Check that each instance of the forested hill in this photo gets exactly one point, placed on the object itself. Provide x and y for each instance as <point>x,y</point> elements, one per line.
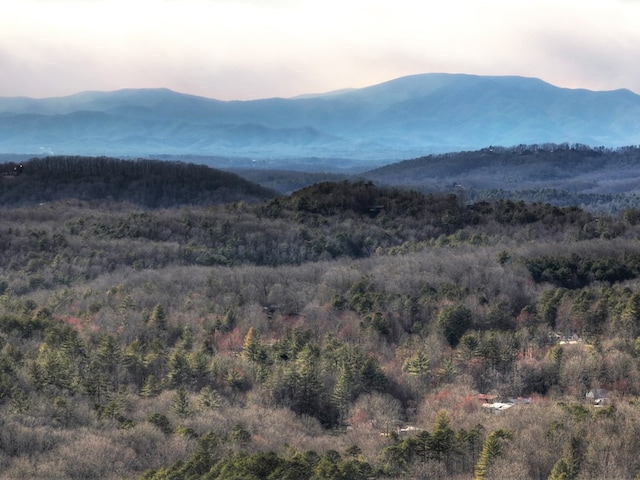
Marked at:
<point>561,174</point>
<point>148,183</point>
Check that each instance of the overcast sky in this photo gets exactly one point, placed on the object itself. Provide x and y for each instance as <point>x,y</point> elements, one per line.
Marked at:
<point>248,49</point>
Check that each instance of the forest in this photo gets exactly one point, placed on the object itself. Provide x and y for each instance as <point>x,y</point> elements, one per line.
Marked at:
<point>347,330</point>
<point>597,178</point>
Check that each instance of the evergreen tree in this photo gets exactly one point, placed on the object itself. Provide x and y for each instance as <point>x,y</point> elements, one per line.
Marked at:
<point>252,348</point>
<point>161,422</point>
<point>422,445</point>
<point>209,398</point>
<point>417,365</point>
<point>454,320</point>
<point>156,358</point>
<point>95,381</point>
<point>179,373</point>
<point>53,367</point>
<point>127,304</point>
<point>568,467</point>
<point>151,388</point>
<point>308,386</point>
<point>109,356</point>
<point>471,440</point>
<point>561,471</point>
<point>158,318</point>
<point>442,438</point>
<point>372,376</point>
<point>491,449</point>
<point>186,338</point>
<point>342,391</point>
<point>133,361</point>
<point>180,403</point>
<point>396,458</point>
<point>199,367</point>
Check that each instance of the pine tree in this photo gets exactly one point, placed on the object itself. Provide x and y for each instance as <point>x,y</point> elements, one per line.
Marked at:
<point>491,449</point>
<point>180,403</point>
<point>308,386</point>
<point>417,365</point>
<point>251,348</point>
<point>470,440</point>
<point>151,387</point>
<point>95,381</point>
<point>128,303</point>
<point>109,354</point>
<point>447,370</point>
<point>179,373</point>
<point>133,361</point>
<point>342,391</point>
<point>442,439</point>
<point>454,320</point>
<point>54,367</point>
<point>421,445</point>
<point>161,422</point>
<point>372,377</point>
<point>561,471</point>
<point>209,399</point>
<point>199,367</point>
<point>158,318</point>
<point>568,467</point>
<point>186,338</point>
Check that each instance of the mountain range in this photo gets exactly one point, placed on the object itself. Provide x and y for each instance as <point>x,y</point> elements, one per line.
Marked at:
<point>404,118</point>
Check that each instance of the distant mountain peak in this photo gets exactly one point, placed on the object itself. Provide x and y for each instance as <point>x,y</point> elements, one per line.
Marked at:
<point>403,118</point>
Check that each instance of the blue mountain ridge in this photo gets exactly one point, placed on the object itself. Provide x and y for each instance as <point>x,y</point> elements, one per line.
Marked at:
<point>403,118</point>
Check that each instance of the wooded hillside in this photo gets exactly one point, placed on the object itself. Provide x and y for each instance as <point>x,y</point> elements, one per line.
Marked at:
<point>596,178</point>
<point>345,331</point>
<point>148,183</point>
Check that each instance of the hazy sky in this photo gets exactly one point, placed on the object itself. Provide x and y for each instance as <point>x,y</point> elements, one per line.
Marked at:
<point>247,49</point>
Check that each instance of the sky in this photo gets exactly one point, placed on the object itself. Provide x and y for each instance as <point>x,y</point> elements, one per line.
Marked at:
<point>250,49</point>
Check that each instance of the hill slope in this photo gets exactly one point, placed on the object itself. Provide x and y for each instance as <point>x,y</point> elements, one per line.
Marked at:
<point>561,174</point>
<point>403,118</point>
<point>148,183</point>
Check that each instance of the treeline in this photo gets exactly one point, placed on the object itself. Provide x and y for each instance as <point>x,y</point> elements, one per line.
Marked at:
<point>563,155</point>
<point>148,183</point>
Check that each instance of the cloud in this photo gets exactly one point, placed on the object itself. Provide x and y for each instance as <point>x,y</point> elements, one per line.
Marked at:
<point>247,49</point>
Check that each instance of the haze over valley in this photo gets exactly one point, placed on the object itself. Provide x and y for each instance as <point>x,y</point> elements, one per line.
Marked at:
<point>363,128</point>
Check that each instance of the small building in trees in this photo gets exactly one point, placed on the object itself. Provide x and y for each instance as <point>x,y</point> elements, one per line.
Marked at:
<point>597,396</point>
<point>495,404</point>
<point>497,407</point>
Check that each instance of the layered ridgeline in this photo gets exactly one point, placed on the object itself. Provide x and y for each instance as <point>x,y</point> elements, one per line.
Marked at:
<point>148,183</point>
<point>404,118</point>
<point>596,178</point>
